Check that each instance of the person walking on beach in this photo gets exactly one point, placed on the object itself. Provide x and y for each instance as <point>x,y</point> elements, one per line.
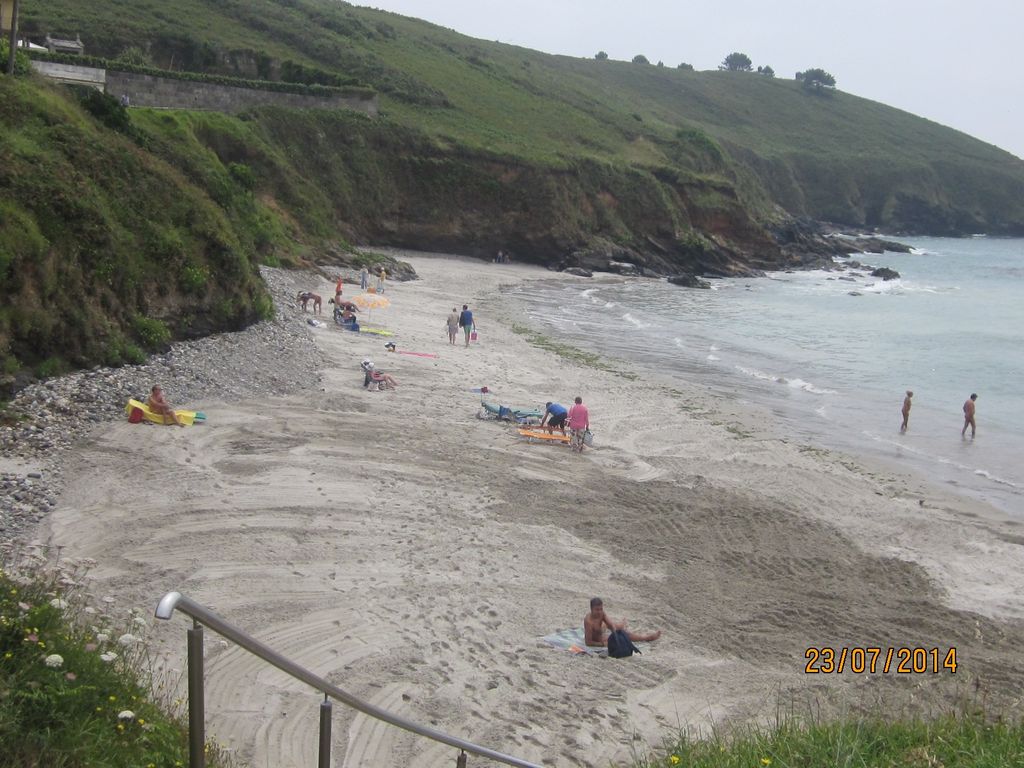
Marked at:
<point>969,416</point>
<point>337,292</point>
<point>906,411</point>
<point>380,280</point>
<point>579,423</point>
<point>157,404</point>
<point>453,325</point>
<point>364,278</point>
<point>555,415</point>
<point>466,322</point>
<point>594,624</point>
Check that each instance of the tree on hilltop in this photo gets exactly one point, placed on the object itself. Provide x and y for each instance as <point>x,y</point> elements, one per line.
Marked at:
<point>686,67</point>
<point>816,79</point>
<point>766,71</point>
<point>640,59</point>
<point>736,62</point>
<point>600,55</point>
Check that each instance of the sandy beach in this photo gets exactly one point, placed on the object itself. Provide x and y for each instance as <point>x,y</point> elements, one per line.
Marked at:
<point>414,554</point>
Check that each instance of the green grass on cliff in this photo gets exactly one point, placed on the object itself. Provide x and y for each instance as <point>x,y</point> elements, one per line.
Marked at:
<point>77,688</point>
<point>964,739</point>
<point>105,249</point>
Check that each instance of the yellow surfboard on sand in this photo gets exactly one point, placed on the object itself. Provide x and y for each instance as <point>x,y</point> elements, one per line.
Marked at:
<point>537,434</point>
<point>187,417</point>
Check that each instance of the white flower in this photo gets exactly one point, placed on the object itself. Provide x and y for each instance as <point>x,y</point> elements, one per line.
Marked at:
<point>140,622</point>
<point>54,660</point>
<point>25,606</point>
<point>102,637</point>
<point>127,639</point>
<point>108,657</point>
<point>125,714</point>
<point>58,603</point>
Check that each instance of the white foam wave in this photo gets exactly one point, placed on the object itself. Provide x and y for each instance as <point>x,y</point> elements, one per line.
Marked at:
<point>806,386</point>
<point>609,304</point>
<point>883,286</point>
<point>989,476</point>
<point>795,383</point>
<point>638,323</point>
<point>713,348</point>
<point>712,358</point>
<point>756,374</point>
<point>589,292</point>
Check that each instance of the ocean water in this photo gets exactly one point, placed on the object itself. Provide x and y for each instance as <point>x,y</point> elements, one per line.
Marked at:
<point>831,366</point>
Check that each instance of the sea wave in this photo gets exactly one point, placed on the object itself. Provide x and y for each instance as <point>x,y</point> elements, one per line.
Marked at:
<point>638,323</point>
<point>795,383</point>
<point>989,476</point>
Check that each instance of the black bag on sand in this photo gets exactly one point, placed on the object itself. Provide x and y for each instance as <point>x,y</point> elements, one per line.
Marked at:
<point>620,646</point>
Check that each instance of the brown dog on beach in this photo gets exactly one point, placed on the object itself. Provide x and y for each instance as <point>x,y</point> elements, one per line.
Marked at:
<point>305,297</point>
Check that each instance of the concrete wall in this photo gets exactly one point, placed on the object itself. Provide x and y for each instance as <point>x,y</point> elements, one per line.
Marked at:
<point>72,73</point>
<point>168,93</point>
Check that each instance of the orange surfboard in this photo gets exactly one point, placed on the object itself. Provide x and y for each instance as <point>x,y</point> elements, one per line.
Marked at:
<point>538,434</point>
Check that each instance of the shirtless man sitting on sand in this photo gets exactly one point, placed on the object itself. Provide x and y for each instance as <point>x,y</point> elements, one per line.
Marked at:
<point>594,624</point>
<point>157,404</point>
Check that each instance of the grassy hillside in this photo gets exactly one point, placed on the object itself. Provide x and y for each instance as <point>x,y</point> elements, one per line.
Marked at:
<point>146,225</point>
<point>826,155</point>
<point>105,250</point>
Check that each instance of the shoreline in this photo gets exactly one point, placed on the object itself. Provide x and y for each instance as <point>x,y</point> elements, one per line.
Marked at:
<point>836,412</point>
<point>393,542</point>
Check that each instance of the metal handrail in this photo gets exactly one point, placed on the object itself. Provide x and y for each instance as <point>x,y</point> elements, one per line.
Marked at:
<point>173,601</point>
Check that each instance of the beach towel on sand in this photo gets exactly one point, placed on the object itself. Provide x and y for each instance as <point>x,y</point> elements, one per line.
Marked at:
<point>572,640</point>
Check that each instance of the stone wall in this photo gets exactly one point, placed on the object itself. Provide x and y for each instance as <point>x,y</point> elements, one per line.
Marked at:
<point>150,91</point>
<point>72,73</point>
<point>169,93</point>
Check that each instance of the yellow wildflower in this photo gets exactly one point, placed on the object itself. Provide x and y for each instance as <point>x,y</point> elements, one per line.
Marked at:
<point>674,759</point>
<point>766,761</point>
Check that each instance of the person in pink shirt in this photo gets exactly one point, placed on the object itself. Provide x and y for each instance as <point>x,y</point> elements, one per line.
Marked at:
<point>579,423</point>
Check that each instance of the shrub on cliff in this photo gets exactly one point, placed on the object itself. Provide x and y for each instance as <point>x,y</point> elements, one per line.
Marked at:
<point>76,685</point>
<point>21,60</point>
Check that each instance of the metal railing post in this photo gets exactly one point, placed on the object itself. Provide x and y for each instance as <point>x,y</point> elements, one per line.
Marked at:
<point>325,734</point>
<point>196,708</point>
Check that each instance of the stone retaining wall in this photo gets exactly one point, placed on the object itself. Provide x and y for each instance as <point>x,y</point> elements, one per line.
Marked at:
<point>169,93</point>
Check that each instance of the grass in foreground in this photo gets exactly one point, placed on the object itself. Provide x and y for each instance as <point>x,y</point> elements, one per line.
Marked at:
<point>965,739</point>
<point>74,680</point>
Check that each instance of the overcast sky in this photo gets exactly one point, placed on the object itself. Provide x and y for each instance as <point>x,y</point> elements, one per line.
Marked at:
<point>953,61</point>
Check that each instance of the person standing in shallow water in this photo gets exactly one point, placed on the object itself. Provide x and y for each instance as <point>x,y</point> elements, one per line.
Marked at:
<point>969,416</point>
<point>906,411</point>
<point>364,278</point>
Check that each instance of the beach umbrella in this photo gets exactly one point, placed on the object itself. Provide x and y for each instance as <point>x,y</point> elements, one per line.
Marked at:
<point>371,301</point>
